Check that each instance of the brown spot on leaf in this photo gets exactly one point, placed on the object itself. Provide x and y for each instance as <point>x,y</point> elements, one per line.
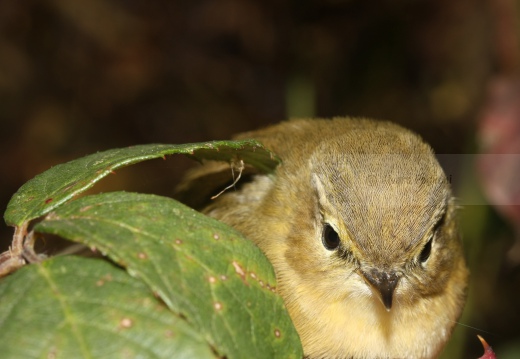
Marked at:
<point>212,279</point>
<point>223,277</point>
<point>126,323</point>
<point>277,333</point>
<point>103,280</point>
<point>240,271</point>
<point>86,208</point>
<point>217,306</point>
<point>142,255</point>
<point>178,241</point>
<point>49,200</point>
<point>52,353</point>
<point>216,236</point>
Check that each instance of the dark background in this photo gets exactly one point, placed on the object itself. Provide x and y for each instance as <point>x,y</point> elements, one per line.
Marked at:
<point>78,77</point>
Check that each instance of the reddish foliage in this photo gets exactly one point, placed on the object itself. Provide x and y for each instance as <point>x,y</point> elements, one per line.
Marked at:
<point>488,351</point>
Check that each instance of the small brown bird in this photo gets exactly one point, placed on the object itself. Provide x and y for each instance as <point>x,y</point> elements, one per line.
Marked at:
<point>359,224</point>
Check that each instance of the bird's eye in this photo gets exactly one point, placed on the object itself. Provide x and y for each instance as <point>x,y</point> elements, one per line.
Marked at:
<point>426,251</point>
<point>330,238</point>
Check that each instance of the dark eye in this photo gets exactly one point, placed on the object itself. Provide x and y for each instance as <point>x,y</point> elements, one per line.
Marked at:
<point>330,238</point>
<point>426,251</point>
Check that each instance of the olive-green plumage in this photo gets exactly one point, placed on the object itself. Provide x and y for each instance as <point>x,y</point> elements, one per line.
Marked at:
<point>359,224</point>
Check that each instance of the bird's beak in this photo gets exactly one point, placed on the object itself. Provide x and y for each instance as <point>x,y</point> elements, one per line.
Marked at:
<point>384,283</point>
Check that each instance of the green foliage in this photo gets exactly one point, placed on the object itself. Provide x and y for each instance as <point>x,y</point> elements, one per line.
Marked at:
<point>72,307</point>
<point>61,183</point>
<point>182,284</point>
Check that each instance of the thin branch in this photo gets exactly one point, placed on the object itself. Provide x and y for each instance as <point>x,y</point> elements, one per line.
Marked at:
<point>12,259</point>
<point>240,168</point>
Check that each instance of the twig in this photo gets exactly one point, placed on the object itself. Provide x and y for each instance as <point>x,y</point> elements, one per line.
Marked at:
<point>235,180</point>
<point>12,259</point>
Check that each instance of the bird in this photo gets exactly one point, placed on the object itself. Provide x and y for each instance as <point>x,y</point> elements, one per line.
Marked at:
<point>360,225</point>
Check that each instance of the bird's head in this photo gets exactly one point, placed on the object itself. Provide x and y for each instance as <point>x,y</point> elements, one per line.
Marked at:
<point>373,238</point>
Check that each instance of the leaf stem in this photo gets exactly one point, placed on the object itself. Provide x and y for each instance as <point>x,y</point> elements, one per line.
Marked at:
<point>12,259</point>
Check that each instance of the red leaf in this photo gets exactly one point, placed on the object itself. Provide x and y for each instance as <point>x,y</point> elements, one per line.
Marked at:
<point>488,351</point>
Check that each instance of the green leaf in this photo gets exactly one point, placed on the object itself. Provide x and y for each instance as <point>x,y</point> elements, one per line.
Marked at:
<point>201,268</point>
<point>71,307</point>
<point>61,183</point>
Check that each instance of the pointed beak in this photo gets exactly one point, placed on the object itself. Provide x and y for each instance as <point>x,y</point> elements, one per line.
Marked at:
<point>384,283</point>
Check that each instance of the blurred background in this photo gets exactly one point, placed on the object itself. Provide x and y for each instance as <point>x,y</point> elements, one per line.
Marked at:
<point>78,77</point>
